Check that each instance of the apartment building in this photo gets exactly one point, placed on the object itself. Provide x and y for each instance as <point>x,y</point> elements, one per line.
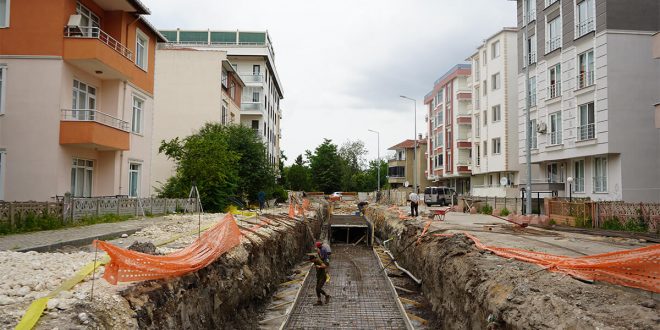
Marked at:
<point>591,89</point>
<point>495,166</point>
<point>449,118</point>
<point>401,163</point>
<point>252,56</point>
<point>192,87</point>
<point>76,98</point>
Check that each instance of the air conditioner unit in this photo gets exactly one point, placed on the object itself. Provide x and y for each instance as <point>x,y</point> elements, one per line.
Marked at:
<point>74,21</point>
<point>541,128</point>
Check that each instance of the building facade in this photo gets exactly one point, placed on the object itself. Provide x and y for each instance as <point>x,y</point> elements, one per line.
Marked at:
<point>76,98</point>
<point>495,166</point>
<point>252,55</point>
<point>193,87</point>
<point>449,147</point>
<point>592,87</point>
<point>401,164</point>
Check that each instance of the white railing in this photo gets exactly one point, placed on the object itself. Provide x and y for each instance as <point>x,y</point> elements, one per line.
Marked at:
<point>586,132</point>
<point>531,58</point>
<point>554,90</point>
<point>251,77</point>
<point>585,79</point>
<point>549,2</point>
<point>552,44</point>
<point>250,105</point>
<point>579,184</point>
<point>532,98</point>
<point>584,27</point>
<point>530,16</point>
<point>555,138</point>
<point>95,116</point>
<point>600,184</point>
<point>92,32</point>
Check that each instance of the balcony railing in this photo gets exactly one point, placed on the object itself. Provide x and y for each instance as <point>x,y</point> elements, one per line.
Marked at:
<point>584,27</point>
<point>92,32</point>
<point>549,2</point>
<point>585,79</point>
<point>248,106</point>
<point>95,116</point>
<point>532,99</point>
<point>586,132</point>
<point>252,77</point>
<point>555,138</point>
<point>530,16</point>
<point>531,58</point>
<point>600,184</point>
<point>552,44</point>
<point>554,90</point>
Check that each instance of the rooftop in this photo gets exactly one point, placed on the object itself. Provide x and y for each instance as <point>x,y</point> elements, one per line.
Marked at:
<point>458,69</point>
<point>407,144</point>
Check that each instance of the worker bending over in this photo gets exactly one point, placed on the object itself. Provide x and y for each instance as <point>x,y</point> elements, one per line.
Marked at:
<point>321,277</point>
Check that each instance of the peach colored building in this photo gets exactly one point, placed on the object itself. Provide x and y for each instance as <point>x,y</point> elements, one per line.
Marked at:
<point>76,98</point>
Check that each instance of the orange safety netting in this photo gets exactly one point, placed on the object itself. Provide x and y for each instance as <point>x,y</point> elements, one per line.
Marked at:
<point>292,211</point>
<point>637,268</point>
<point>128,266</point>
<point>305,204</point>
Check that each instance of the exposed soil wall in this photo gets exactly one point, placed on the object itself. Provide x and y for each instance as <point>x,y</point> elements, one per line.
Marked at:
<point>473,289</point>
<point>230,292</point>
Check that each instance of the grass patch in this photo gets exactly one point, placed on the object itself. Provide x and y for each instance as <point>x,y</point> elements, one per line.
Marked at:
<point>634,225</point>
<point>33,222</point>
<point>583,222</point>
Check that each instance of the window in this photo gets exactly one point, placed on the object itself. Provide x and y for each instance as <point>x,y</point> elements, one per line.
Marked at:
<point>440,118</point>
<point>534,138</point>
<point>223,118</point>
<point>531,87</point>
<point>578,176</point>
<point>441,141</point>
<point>495,81</point>
<point>586,122</point>
<point>497,113</point>
<point>476,69</point>
<point>555,128</point>
<point>83,102</point>
<point>553,35</point>
<point>554,173</point>
<point>531,50</point>
<point>600,174</point>
<point>256,70</point>
<point>554,89</point>
<point>496,146</point>
<point>4,17</point>
<point>476,97</point>
<point>255,124</point>
<point>223,78</point>
<point>586,67</point>
<point>485,148</point>
<point>549,2</point>
<point>485,58</point>
<point>3,162</point>
<point>485,117</point>
<point>477,151</point>
<point>255,96</point>
<point>138,113</point>
<point>134,170</point>
<point>89,22</point>
<point>530,10</point>
<point>477,127</point>
<point>3,79</point>
<point>584,18</point>
<point>495,49</point>
<point>141,49</point>
<point>82,172</point>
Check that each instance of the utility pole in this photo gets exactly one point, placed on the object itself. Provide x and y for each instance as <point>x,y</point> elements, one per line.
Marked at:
<point>415,139</point>
<point>378,152</point>
<point>528,123</point>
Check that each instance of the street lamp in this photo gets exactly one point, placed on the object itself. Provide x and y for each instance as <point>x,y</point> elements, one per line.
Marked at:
<point>378,134</point>
<point>415,139</point>
<point>570,188</point>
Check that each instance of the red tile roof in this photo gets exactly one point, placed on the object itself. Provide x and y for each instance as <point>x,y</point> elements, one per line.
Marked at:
<point>407,144</point>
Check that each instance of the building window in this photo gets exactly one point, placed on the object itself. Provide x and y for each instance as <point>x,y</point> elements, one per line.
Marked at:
<point>531,87</point>
<point>578,176</point>
<point>584,18</point>
<point>554,89</point>
<point>586,122</point>
<point>223,78</point>
<point>534,138</point>
<point>495,49</point>
<point>553,35</point>
<point>555,128</point>
<point>138,114</point>
<point>485,148</point>
<point>141,49</point>
<point>256,70</point>
<point>554,173</point>
<point>476,69</point>
<point>586,67</point>
<point>82,172</point>
<point>485,117</point>
<point>3,89</point>
<point>4,16</point>
<point>485,58</point>
<point>477,151</point>
<point>441,139</point>
<point>531,50</point>
<point>255,96</point>
<point>223,118</point>
<point>530,11</point>
<point>485,87</point>
<point>495,81</point>
<point>476,98</point>
<point>89,22</point>
<point>477,127</point>
<point>440,118</point>
<point>3,165</point>
<point>549,2</point>
<point>497,113</point>
<point>600,174</point>
<point>496,146</point>
<point>134,172</point>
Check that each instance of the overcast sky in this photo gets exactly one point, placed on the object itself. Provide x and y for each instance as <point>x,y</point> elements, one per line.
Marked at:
<point>344,63</point>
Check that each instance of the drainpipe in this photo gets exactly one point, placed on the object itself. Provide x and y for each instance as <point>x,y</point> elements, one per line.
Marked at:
<point>121,153</point>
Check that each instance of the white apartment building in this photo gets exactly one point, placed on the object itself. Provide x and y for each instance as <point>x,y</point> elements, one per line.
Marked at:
<point>252,56</point>
<point>592,86</point>
<point>192,87</point>
<point>449,147</point>
<point>495,167</point>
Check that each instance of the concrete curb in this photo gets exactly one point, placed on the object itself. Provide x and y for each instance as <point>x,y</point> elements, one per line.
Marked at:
<point>77,242</point>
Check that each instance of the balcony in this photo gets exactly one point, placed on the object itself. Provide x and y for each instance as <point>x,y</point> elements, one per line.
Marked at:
<point>464,119</point>
<point>586,132</point>
<point>549,2</point>
<point>585,79</point>
<point>555,138</point>
<point>252,78</point>
<point>251,108</point>
<point>552,44</point>
<point>94,51</point>
<point>93,129</point>
<point>531,58</point>
<point>554,90</point>
<point>464,96</point>
<point>584,27</point>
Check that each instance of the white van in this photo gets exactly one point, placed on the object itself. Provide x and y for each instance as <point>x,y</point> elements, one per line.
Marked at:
<point>440,195</point>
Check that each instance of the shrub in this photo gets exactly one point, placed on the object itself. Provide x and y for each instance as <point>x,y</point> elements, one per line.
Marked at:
<point>583,222</point>
<point>486,209</point>
<point>504,212</point>
<point>552,222</point>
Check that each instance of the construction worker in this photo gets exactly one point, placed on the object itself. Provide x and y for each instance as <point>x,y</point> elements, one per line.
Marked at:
<point>321,277</point>
<point>323,251</point>
<point>261,197</point>
<point>414,204</point>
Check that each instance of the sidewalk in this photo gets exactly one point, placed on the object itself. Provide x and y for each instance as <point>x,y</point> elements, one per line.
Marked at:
<point>43,241</point>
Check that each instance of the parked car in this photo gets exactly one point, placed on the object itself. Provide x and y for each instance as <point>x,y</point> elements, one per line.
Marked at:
<point>336,194</point>
<point>440,195</point>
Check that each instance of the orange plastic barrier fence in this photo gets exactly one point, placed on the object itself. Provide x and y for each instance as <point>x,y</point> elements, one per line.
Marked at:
<point>305,204</point>
<point>292,211</point>
<point>637,268</point>
<point>402,214</point>
<point>129,266</point>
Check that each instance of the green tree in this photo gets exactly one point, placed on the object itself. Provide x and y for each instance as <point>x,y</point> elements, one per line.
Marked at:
<point>326,167</point>
<point>353,154</point>
<point>299,176</point>
<point>255,173</point>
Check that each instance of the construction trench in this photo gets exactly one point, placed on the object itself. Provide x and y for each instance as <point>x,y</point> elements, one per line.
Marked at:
<point>383,275</point>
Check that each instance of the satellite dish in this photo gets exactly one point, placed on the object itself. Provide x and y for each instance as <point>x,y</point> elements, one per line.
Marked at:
<point>504,181</point>
<point>406,184</point>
